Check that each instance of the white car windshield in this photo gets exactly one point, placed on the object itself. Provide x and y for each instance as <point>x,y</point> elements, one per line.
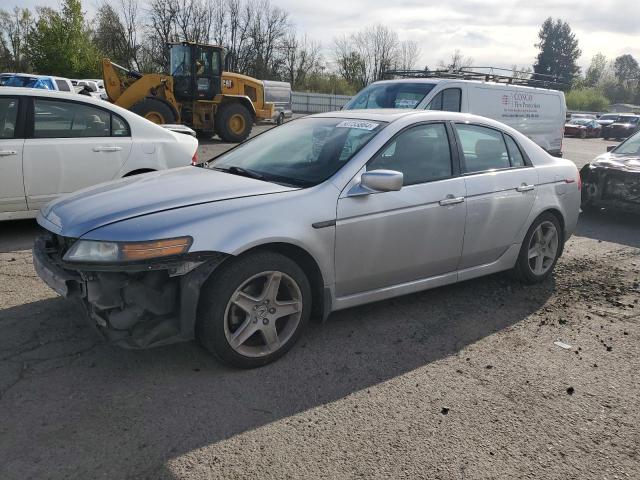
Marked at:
<point>300,153</point>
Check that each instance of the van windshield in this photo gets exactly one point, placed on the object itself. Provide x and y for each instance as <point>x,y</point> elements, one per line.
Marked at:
<point>390,95</point>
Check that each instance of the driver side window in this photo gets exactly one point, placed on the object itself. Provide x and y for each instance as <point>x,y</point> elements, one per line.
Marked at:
<point>421,153</point>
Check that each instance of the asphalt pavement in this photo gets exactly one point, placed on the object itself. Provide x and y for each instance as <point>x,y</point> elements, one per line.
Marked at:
<point>460,382</point>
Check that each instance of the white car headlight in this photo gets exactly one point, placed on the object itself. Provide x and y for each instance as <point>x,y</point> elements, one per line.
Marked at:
<point>92,251</point>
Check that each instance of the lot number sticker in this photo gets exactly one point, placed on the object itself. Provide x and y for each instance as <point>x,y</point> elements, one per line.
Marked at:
<point>360,124</point>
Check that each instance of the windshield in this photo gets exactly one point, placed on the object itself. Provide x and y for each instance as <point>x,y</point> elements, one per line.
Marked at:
<point>627,119</point>
<point>629,147</point>
<point>580,121</point>
<point>608,117</point>
<point>390,95</point>
<point>301,153</point>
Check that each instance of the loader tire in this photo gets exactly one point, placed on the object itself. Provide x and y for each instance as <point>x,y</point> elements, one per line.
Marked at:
<point>233,122</point>
<point>155,111</point>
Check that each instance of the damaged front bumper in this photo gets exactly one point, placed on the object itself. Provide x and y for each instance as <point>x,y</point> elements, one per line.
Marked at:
<point>136,305</point>
<point>614,188</point>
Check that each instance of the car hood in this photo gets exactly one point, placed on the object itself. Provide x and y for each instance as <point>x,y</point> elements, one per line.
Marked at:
<point>573,125</point>
<point>618,162</point>
<point>78,213</point>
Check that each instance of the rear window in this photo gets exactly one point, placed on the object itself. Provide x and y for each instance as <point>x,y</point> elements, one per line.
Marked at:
<point>390,95</point>
<point>62,85</point>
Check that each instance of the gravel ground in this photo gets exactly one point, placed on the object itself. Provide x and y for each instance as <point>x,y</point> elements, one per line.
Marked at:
<point>458,382</point>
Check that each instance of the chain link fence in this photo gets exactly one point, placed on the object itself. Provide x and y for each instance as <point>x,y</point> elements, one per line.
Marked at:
<point>317,102</point>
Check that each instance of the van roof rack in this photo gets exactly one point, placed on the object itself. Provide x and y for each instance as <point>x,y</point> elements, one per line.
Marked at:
<point>486,74</point>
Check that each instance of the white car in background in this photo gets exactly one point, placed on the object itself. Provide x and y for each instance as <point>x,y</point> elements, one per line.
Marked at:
<point>52,143</point>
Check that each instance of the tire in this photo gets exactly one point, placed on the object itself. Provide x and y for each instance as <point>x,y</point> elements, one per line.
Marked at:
<point>233,122</point>
<point>524,269</point>
<point>245,280</point>
<point>280,119</point>
<point>583,134</point>
<point>155,111</point>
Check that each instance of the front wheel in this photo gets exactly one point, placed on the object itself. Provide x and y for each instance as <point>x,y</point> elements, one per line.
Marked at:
<point>233,122</point>
<point>280,119</point>
<point>583,134</point>
<point>540,249</point>
<point>155,110</point>
<point>254,309</point>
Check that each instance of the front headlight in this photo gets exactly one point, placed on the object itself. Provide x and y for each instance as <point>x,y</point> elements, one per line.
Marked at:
<point>93,251</point>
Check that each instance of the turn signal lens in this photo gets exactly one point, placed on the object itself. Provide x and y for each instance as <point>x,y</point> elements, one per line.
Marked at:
<point>159,248</point>
<point>194,159</point>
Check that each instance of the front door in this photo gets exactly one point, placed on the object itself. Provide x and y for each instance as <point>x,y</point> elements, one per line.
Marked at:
<point>72,146</point>
<point>12,198</point>
<point>385,239</point>
<point>501,190</point>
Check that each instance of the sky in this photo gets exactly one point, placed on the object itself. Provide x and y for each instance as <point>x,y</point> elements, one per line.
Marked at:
<point>498,33</point>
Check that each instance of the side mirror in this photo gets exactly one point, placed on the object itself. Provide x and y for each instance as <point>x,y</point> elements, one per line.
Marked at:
<point>378,181</point>
<point>611,148</point>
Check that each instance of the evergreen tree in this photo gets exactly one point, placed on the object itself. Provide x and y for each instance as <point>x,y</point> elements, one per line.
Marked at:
<point>559,51</point>
<point>60,42</point>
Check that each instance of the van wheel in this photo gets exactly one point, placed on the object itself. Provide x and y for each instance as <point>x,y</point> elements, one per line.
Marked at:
<point>155,111</point>
<point>280,119</point>
<point>254,309</point>
<point>540,249</point>
<point>233,122</point>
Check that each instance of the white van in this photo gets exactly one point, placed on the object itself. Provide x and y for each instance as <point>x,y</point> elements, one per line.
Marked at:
<point>278,93</point>
<point>538,113</point>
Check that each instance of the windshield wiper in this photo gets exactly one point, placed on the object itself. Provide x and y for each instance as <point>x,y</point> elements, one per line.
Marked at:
<point>241,171</point>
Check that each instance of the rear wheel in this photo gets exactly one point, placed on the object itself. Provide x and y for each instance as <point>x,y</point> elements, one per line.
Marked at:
<point>233,122</point>
<point>254,309</point>
<point>583,134</point>
<point>155,111</point>
<point>280,119</point>
<point>540,249</point>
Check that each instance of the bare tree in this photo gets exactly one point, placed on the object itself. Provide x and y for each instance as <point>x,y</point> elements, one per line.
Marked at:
<point>456,62</point>
<point>131,22</point>
<point>301,57</point>
<point>14,27</point>
<point>408,55</point>
<point>350,62</point>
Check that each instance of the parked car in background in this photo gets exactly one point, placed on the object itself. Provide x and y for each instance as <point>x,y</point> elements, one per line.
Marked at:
<point>88,87</point>
<point>607,119</point>
<point>582,128</point>
<point>323,213</point>
<point>538,113</point>
<point>63,84</point>
<point>588,116</point>
<point>71,142</point>
<point>279,93</point>
<point>4,77</point>
<point>30,81</point>
<point>612,180</point>
<point>624,126</point>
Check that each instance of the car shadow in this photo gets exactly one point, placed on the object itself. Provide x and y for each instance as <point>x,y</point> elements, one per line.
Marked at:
<point>63,391</point>
<point>17,235</point>
<point>610,226</point>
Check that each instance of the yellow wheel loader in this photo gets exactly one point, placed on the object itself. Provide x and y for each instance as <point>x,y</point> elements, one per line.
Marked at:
<point>198,93</point>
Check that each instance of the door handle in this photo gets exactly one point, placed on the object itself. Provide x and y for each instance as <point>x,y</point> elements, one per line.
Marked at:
<point>525,188</point>
<point>107,149</point>
<point>6,153</point>
<point>451,200</point>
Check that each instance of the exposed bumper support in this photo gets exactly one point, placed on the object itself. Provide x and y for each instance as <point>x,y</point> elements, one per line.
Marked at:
<point>611,188</point>
<point>138,306</point>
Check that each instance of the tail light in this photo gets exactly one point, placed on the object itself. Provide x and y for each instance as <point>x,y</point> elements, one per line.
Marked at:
<point>194,159</point>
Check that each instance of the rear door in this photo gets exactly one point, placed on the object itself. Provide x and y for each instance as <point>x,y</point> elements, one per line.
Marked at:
<point>501,189</point>
<point>12,197</point>
<point>71,145</point>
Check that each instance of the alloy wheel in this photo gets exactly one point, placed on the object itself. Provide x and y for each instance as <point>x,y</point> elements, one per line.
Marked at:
<point>543,248</point>
<point>262,314</point>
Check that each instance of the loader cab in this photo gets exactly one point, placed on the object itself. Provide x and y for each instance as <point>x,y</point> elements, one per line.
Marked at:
<point>196,70</point>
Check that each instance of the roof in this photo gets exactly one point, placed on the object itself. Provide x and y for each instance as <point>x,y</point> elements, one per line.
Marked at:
<point>457,80</point>
<point>393,114</point>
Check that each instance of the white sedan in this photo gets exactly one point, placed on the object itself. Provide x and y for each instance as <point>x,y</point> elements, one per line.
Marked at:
<point>52,143</point>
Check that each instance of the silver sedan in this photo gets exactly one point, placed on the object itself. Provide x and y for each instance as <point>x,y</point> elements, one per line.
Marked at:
<point>320,214</point>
